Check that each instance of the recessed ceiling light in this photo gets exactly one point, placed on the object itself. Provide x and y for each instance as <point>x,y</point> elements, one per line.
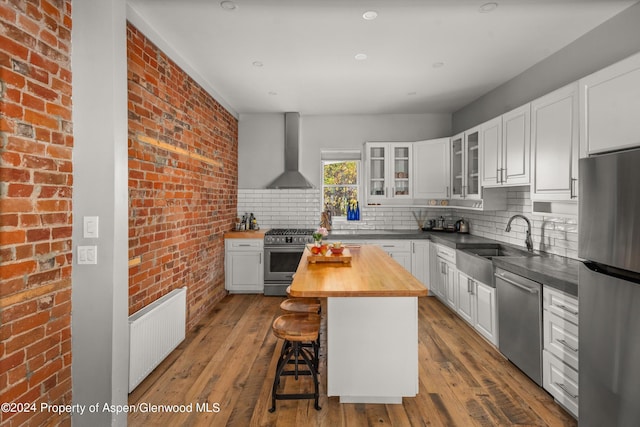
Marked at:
<point>272,93</point>
<point>257,64</point>
<point>488,7</point>
<point>370,15</point>
<point>437,64</point>
<point>228,5</point>
<point>361,56</point>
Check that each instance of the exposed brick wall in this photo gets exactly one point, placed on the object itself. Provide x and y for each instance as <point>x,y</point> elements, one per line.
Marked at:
<point>183,195</point>
<point>36,141</point>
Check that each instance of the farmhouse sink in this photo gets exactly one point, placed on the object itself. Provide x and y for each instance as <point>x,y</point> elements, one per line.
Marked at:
<point>475,261</point>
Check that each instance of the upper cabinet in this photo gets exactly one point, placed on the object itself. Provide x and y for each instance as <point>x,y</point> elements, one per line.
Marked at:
<point>465,166</point>
<point>431,169</point>
<point>389,169</point>
<point>506,152</point>
<point>609,106</point>
<point>554,139</point>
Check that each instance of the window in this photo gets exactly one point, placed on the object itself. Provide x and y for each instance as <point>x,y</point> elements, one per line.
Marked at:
<point>340,185</point>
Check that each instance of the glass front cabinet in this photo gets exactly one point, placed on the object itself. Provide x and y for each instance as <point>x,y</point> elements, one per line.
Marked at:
<point>465,167</point>
<point>389,171</point>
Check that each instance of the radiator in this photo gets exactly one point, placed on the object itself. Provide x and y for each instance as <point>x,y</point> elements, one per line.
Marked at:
<point>154,332</point>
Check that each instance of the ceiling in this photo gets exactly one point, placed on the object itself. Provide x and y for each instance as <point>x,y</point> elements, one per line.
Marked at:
<point>423,56</point>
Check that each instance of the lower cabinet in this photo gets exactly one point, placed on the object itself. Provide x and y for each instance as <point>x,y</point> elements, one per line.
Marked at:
<point>243,265</point>
<point>477,305</point>
<point>445,278</point>
<point>560,352</point>
<point>399,250</point>
<point>420,266</point>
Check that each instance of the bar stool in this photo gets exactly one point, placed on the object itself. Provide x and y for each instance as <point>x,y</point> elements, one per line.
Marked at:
<point>304,305</point>
<point>296,329</point>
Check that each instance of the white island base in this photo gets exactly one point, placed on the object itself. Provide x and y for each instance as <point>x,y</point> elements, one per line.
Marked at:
<point>372,349</point>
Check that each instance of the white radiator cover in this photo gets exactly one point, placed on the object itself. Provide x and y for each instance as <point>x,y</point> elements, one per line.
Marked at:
<point>154,332</point>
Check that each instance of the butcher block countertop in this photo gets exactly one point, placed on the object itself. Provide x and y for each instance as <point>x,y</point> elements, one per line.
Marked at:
<point>371,273</point>
<point>249,234</point>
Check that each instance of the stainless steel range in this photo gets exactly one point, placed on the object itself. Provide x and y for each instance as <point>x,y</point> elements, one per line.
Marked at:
<point>283,249</point>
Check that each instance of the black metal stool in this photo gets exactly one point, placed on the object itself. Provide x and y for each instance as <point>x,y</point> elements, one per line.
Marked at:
<point>296,329</point>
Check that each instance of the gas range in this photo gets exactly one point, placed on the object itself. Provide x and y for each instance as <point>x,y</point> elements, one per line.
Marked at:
<point>288,237</point>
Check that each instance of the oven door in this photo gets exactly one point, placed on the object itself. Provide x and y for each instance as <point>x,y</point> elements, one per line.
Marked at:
<point>280,263</point>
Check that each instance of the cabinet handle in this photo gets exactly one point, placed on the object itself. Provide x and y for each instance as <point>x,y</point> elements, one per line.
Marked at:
<point>567,309</point>
<point>470,285</point>
<point>386,191</point>
<point>574,194</point>
<point>244,245</point>
<point>566,390</point>
<point>413,247</point>
<point>564,343</point>
<point>503,172</point>
<point>498,176</point>
<point>260,258</point>
<point>463,191</point>
<point>393,191</point>
<point>443,267</point>
<point>447,191</point>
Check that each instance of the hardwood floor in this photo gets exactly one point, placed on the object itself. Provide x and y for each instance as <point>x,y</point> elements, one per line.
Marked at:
<point>228,361</point>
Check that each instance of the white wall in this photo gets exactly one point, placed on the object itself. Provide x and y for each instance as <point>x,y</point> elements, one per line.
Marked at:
<point>100,332</point>
<point>610,42</point>
<point>261,140</point>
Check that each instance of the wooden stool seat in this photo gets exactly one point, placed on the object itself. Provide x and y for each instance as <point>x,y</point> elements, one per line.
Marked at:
<point>297,327</point>
<point>301,305</point>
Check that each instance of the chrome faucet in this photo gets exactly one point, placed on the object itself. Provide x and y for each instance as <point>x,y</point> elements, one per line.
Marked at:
<point>527,240</point>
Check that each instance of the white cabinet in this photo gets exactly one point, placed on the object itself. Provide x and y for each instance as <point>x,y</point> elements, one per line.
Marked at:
<point>446,276</point>
<point>465,166</point>
<point>420,266</point>
<point>609,105</point>
<point>243,265</point>
<point>491,153</point>
<point>431,169</point>
<point>466,297</point>
<point>554,140</point>
<point>486,317</point>
<point>389,169</point>
<point>561,348</point>
<point>399,250</point>
<point>476,303</point>
<point>506,152</point>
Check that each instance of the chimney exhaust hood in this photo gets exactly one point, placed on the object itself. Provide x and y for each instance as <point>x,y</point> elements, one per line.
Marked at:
<point>291,177</point>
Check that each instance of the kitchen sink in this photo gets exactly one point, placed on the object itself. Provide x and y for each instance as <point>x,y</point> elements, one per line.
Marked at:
<point>475,261</point>
<point>497,251</point>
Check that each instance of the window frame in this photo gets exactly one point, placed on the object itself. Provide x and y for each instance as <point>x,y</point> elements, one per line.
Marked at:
<point>358,184</point>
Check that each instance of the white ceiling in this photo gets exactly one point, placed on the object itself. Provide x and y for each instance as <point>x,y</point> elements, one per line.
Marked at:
<point>307,49</point>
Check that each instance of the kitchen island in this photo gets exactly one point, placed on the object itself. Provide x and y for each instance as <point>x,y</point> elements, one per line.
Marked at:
<point>372,324</point>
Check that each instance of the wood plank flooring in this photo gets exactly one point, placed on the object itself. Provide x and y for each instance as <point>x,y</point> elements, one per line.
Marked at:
<point>228,361</point>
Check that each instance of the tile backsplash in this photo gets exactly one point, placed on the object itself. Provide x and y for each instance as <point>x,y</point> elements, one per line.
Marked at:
<point>301,209</point>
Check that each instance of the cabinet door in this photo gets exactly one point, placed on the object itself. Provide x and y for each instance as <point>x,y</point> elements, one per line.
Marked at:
<point>450,281</point>
<point>516,146</point>
<point>466,297</point>
<point>472,164</point>
<point>377,156</point>
<point>457,166</point>
<point>420,261</point>
<point>401,171</point>
<point>609,105</point>
<point>491,152</point>
<point>486,312</point>
<point>431,169</point>
<point>554,135</point>
<point>244,271</point>
<point>435,266</point>
<point>402,258</point>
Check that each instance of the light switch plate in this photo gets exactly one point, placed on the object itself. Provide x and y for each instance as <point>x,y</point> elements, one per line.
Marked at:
<point>87,254</point>
<point>90,229</point>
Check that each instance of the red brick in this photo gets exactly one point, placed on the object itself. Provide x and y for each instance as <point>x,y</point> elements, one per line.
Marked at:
<point>12,237</point>
<point>30,322</point>
<point>41,119</point>
<point>11,110</point>
<point>20,190</point>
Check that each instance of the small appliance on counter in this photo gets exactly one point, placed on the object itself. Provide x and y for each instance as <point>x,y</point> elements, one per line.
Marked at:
<point>462,226</point>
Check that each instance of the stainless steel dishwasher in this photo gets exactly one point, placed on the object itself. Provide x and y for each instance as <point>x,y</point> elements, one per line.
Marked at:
<point>520,322</point>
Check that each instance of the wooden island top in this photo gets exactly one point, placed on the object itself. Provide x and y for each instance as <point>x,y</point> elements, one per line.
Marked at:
<point>371,273</point>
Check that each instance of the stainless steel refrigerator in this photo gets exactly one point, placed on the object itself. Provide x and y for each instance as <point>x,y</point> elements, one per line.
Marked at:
<point>609,289</point>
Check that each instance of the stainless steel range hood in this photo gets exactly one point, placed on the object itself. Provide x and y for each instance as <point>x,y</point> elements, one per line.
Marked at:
<point>291,177</point>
